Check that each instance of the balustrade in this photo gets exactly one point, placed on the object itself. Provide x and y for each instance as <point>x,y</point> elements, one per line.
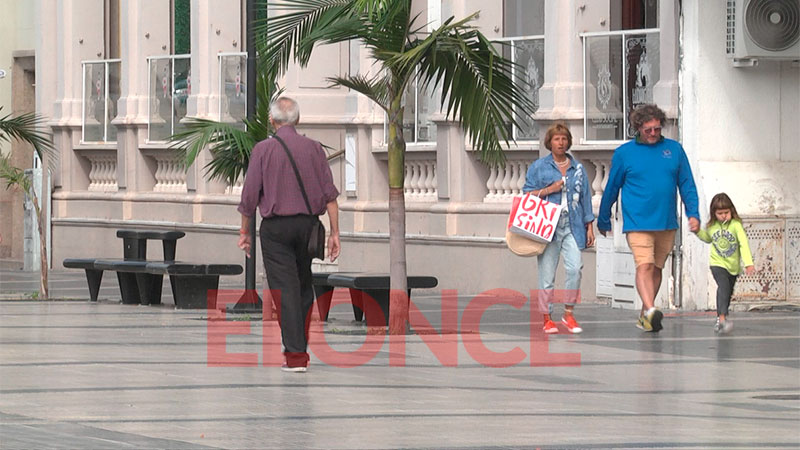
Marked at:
<point>601,170</point>
<point>420,180</point>
<point>170,174</point>
<point>506,181</point>
<point>103,172</point>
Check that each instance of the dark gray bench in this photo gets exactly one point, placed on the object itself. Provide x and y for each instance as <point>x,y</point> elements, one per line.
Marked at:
<point>190,282</point>
<point>93,276</point>
<point>373,285</point>
<point>140,280</point>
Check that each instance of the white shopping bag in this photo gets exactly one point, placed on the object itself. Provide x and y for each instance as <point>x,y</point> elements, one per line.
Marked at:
<point>534,217</point>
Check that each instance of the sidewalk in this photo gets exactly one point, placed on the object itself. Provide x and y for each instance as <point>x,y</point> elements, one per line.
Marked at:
<point>75,374</point>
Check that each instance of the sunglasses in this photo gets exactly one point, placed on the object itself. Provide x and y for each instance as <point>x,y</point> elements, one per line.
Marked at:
<point>651,130</point>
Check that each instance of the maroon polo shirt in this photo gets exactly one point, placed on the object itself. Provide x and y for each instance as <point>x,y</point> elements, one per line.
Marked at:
<point>270,182</point>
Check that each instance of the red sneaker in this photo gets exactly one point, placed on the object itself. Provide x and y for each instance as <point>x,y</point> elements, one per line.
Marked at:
<point>572,325</point>
<point>550,327</point>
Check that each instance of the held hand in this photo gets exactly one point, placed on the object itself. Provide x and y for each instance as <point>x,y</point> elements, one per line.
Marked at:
<point>557,186</point>
<point>334,247</point>
<point>749,270</point>
<point>245,242</point>
<point>694,224</point>
<point>589,235</point>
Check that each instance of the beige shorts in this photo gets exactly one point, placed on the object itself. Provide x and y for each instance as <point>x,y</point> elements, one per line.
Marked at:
<point>651,247</point>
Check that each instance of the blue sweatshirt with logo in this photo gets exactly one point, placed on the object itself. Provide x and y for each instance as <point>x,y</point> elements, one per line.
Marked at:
<point>650,176</point>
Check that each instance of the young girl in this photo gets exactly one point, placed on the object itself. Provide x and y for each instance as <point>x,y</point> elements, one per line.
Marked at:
<point>728,245</point>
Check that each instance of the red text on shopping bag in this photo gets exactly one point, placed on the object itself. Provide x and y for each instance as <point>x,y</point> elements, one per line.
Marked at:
<point>534,217</point>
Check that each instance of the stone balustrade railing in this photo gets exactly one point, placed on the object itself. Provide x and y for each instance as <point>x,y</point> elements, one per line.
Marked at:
<point>170,173</point>
<point>601,170</point>
<point>506,181</point>
<point>103,172</point>
<point>420,180</point>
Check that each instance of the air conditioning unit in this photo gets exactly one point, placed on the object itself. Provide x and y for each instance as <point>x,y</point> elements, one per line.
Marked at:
<point>763,29</point>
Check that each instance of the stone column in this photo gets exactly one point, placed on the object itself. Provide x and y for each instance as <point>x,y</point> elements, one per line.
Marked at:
<point>145,31</point>
<point>665,92</point>
<point>216,28</point>
<point>561,95</point>
<point>69,32</point>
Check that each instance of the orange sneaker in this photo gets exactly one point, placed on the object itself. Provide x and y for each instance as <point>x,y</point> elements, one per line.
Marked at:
<point>572,325</point>
<point>550,327</point>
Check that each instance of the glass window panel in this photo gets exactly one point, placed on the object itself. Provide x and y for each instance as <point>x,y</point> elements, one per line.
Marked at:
<point>428,100</point>
<point>114,92</point>
<point>182,91</point>
<point>604,103</point>
<point>233,103</point>
<point>523,18</point>
<point>409,100</point>
<point>529,72</point>
<point>642,72</point>
<point>94,102</point>
<point>160,99</point>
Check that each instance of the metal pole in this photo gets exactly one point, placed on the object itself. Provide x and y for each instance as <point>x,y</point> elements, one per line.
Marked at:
<point>250,301</point>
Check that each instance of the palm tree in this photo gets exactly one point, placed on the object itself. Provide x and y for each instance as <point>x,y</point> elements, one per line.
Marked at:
<point>476,85</point>
<point>24,128</point>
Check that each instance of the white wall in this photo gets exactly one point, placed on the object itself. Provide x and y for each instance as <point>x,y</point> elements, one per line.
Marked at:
<point>16,33</point>
<point>741,130</point>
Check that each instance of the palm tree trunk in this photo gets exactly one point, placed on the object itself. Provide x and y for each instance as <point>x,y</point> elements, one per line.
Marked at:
<point>42,246</point>
<point>398,298</point>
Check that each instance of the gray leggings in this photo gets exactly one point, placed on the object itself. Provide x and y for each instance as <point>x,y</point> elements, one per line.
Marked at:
<point>725,282</point>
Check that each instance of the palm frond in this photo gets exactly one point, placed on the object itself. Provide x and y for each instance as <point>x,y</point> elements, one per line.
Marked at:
<point>25,128</point>
<point>230,147</point>
<point>477,84</point>
<point>14,176</point>
<point>375,88</point>
<point>283,35</point>
<point>382,25</point>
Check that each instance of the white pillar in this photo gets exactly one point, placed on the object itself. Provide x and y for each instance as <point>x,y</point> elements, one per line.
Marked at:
<point>145,31</point>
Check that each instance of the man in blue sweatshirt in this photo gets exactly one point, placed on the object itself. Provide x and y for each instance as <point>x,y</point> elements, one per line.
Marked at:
<point>649,170</point>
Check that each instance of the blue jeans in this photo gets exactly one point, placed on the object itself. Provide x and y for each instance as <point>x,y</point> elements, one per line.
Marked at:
<point>563,244</point>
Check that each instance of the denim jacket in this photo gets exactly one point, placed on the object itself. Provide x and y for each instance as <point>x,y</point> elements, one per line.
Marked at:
<point>544,172</point>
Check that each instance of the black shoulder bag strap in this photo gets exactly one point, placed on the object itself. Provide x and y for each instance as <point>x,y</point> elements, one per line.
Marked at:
<point>296,173</point>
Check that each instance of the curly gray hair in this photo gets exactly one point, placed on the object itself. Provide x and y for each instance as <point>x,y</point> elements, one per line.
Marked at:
<point>646,113</point>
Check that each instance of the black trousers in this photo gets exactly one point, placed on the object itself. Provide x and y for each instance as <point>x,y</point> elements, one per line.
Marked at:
<point>284,245</point>
<point>725,282</point>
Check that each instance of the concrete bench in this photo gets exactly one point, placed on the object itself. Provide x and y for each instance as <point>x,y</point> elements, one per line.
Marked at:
<point>140,280</point>
<point>93,276</point>
<point>373,285</point>
<point>190,282</point>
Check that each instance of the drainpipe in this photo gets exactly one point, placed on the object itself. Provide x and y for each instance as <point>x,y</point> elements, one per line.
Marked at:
<point>677,256</point>
<point>677,264</point>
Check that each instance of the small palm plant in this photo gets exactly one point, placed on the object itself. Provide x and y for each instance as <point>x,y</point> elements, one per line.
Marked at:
<point>477,85</point>
<point>24,128</point>
<point>229,144</point>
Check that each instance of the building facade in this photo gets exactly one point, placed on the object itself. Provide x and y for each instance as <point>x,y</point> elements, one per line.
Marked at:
<point>114,88</point>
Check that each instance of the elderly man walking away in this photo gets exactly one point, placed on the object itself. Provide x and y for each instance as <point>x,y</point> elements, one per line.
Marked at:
<point>648,169</point>
<point>271,184</point>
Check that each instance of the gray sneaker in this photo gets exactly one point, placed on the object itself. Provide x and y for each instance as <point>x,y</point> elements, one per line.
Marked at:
<point>717,326</point>
<point>727,327</point>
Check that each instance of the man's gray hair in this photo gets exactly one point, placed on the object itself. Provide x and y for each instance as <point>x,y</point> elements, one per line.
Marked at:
<point>285,111</point>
